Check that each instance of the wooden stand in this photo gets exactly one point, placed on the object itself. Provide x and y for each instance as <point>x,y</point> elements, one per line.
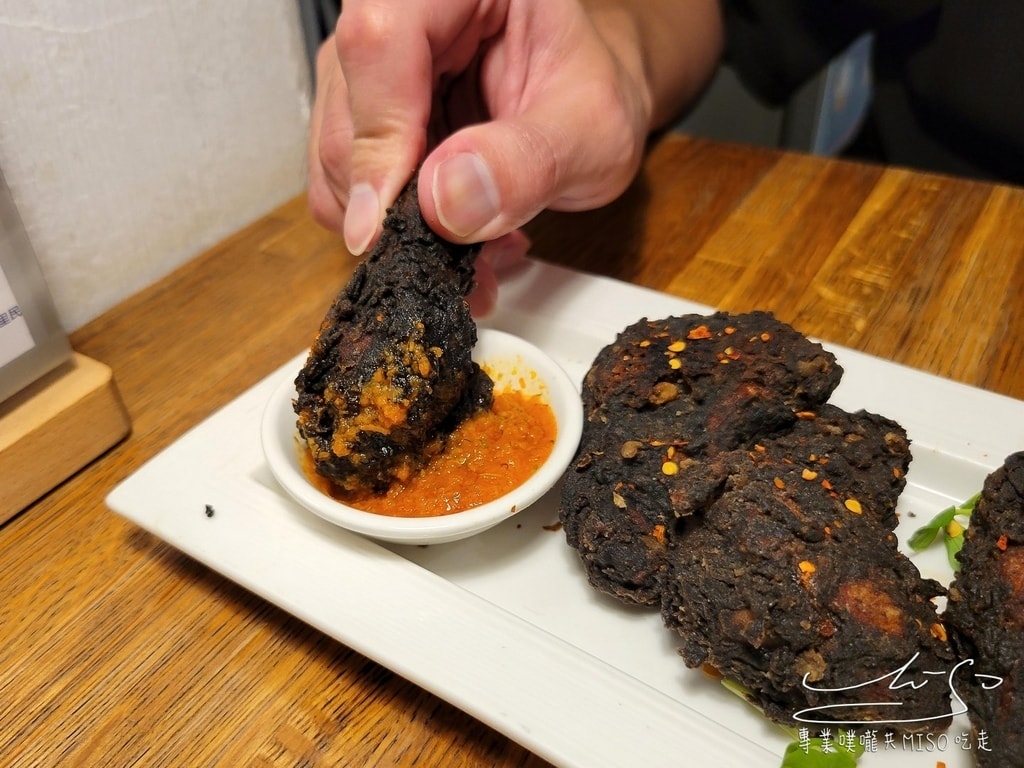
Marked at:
<point>54,427</point>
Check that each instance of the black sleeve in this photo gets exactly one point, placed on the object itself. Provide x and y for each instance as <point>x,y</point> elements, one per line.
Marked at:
<point>776,45</point>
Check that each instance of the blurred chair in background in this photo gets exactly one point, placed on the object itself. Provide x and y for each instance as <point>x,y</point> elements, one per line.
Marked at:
<point>823,117</point>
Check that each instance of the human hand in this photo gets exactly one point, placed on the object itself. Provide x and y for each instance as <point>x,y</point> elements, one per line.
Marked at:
<point>510,106</point>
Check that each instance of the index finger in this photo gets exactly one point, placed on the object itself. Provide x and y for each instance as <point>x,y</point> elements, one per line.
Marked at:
<point>393,54</point>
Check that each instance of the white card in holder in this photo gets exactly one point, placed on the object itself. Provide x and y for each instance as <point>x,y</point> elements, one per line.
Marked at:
<point>32,342</point>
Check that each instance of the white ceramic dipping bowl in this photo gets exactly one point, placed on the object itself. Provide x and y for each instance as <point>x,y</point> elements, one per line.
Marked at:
<point>511,361</point>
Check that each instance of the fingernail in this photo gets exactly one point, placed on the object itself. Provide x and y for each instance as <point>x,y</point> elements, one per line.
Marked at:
<point>361,218</point>
<point>465,194</point>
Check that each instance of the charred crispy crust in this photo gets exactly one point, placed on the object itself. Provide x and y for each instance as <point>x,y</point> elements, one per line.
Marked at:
<point>660,401</point>
<point>715,481</point>
<point>985,615</point>
<point>715,381</point>
<point>390,371</point>
<point>793,571</point>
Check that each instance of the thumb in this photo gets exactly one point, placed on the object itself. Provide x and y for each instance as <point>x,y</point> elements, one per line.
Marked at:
<point>491,178</point>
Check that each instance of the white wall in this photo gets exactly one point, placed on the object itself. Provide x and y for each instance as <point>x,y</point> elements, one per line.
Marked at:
<point>135,133</point>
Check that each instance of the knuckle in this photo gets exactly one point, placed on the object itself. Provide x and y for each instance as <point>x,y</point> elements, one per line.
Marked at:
<point>324,208</point>
<point>334,151</point>
<point>619,114</point>
<point>365,26</point>
<point>326,55</point>
<point>618,138</point>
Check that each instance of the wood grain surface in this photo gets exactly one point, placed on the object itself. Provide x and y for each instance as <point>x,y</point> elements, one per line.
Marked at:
<point>116,650</point>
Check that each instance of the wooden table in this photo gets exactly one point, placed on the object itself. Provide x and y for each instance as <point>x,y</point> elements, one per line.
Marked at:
<point>117,650</point>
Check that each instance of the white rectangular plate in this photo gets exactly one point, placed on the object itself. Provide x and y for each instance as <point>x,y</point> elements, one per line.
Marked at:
<point>504,625</point>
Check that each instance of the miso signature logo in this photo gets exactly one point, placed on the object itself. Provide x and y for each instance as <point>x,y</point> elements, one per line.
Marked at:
<point>897,681</point>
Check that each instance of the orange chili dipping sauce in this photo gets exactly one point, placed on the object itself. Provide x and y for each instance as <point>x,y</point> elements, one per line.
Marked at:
<point>487,456</point>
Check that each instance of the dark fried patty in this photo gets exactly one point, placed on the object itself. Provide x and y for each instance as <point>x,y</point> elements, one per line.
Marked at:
<point>714,480</point>
<point>791,584</point>
<point>660,401</point>
<point>985,614</point>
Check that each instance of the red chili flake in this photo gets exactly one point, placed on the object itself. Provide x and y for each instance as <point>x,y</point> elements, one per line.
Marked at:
<point>711,672</point>
<point>1001,543</point>
<point>700,332</point>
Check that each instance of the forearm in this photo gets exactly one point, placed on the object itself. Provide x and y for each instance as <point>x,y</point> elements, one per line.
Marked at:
<point>671,47</point>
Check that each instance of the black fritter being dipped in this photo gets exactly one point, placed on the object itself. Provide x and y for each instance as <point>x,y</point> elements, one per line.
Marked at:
<point>790,581</point>
<point>660,401</point>
<point>985,616</point>
<point>390,372</point>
